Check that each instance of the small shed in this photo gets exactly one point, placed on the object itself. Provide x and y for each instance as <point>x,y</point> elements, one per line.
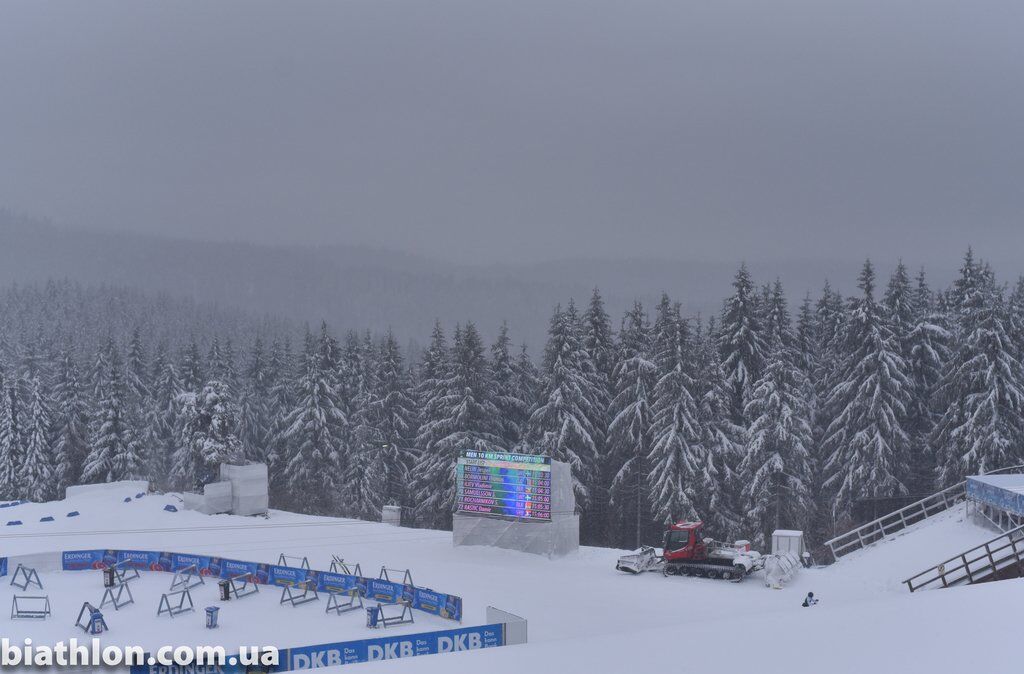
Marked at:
<point>788,540</point>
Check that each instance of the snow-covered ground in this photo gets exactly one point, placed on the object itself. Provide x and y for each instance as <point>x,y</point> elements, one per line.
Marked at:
<point>581,612</point>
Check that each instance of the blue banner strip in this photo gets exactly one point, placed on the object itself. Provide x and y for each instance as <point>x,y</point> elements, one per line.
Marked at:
<point>365,650</point>
<point>391,648</point>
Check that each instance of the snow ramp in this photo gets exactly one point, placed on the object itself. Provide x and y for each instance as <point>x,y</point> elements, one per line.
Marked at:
<point>884,568</point>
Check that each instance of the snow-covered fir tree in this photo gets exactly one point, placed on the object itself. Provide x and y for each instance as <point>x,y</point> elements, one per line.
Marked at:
<point>136,375</point>
<point>829,328</point>
<point>866,440</point>
<point>161,417</point>
<point>718,485</point>
<point>513,406</point>
<point>599,340</point>
<point>254,405</point>
<point>315,429</point>
<point>70,423</point>
<point>434,376</point>
<point>396,419</point>
<point>741,341</point>
<point>11,450</point>
<point>900,305</point>
<point>1015,308</point>
<point>207,437</point>
<point>599,346</point>
<point>629,433</point>
<point>282,372</point>
<point>191,373</point>
<point>38,473</point>
<point>527,384</point>
<point>460,415</point>
<point>114,454</point>
<point>776,464</point>
<point>981,392</point>
<point>928,349</point>
<point>778,326</point>
<point>676,459</point>
<point>364,477</point>
<point>562,424</point>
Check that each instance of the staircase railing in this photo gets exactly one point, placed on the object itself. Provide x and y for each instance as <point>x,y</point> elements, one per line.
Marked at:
<point>877,530</point>
<point>976,564</point>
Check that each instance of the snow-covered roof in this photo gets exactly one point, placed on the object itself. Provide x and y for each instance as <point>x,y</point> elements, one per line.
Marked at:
<point>1014,483</point>
<point>787,532</point>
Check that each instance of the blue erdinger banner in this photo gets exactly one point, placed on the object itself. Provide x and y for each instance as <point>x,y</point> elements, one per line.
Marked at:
<point>80,560</point>
<point>140,559</point>
<point>340,582</point>
<point>289,575</point>
<point>384,591</point>
<point>390,648</point>
<point>180,562</point>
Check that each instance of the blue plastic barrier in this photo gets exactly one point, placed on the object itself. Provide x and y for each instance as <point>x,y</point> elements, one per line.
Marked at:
<point>171,509</point>
<point>48,518</point>
<point>14,523</point>
<point>73,513</point>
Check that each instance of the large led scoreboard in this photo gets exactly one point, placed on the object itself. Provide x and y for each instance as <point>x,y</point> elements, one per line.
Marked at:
<point>504,485</point>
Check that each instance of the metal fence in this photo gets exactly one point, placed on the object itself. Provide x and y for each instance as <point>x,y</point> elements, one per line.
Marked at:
<point>877,530</point>
<point>975,565</point>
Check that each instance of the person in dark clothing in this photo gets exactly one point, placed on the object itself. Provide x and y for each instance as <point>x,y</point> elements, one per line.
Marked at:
<point>809,600</point>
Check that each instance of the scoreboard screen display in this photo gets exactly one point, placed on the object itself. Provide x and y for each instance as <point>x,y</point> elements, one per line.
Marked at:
<point>504,485</point>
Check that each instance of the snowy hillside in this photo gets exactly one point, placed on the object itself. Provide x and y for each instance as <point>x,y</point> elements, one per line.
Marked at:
<point>581,611</point>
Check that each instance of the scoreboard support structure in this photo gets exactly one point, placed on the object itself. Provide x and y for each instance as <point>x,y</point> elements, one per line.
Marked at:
<point>516,502</point>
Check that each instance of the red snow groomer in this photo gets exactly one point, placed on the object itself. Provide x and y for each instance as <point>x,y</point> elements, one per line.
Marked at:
<point>687,553</point>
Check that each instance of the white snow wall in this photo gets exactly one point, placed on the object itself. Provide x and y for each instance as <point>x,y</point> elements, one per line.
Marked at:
<point>75,490</point>
<point>242,490</point>
<point>250,488</point>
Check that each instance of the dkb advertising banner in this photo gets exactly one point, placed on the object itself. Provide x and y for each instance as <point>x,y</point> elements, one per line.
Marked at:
<point>390,648</point>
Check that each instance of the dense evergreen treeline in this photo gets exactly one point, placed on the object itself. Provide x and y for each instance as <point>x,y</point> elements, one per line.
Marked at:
<point>763,417</point>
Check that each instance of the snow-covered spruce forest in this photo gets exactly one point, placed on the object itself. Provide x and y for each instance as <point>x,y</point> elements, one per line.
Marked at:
<point>767,415</point>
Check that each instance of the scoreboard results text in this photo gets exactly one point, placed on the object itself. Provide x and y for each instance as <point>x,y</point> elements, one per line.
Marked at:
<point>504,484</point>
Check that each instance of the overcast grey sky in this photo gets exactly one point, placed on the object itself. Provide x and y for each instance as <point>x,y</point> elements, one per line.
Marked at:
<point>525,129</point>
